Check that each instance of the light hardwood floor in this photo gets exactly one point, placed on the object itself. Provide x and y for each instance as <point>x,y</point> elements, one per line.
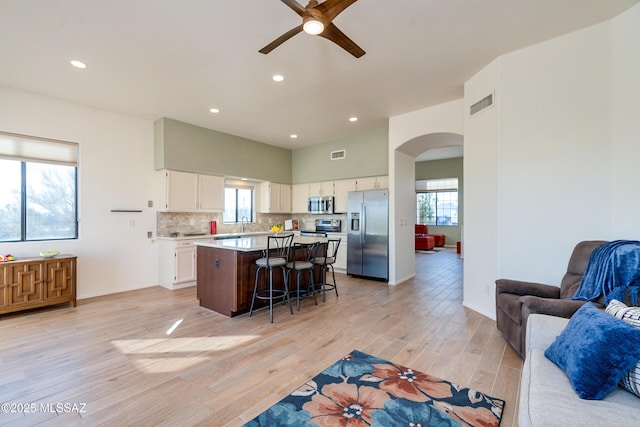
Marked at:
<point>113,353</point>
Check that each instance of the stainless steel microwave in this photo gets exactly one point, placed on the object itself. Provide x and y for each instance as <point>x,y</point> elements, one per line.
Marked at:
<point>320,205</point>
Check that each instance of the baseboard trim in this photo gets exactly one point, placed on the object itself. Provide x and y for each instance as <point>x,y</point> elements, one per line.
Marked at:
<point>491,316</point>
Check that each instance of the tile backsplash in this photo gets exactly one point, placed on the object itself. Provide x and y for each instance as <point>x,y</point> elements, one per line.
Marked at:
<point>193,222</point>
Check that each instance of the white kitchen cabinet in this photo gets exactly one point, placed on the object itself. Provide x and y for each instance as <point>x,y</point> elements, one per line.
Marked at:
<point>372,183</point>
<point>285,198</point>
<point>341,189</point>
<point>185,264</point>
<point>190,192</point>
<point>210,193</point>
<point>299,198</point>
<point>275,198</point>
<point>382,182</point>
<point>324,188</point>
<point>340,265</point>
<point>177,263</point>
<point>178,191</point>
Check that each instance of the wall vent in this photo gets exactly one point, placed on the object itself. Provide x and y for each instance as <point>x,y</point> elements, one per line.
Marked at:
<point>339,155</point>
<point>485,102</point>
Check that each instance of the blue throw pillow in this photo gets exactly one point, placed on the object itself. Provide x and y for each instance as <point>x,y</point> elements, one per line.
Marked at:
<point>595,350</point>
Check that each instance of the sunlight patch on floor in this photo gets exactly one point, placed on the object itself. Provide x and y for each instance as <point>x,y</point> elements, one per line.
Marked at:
<point>182,345</point>
<point>158,355</point>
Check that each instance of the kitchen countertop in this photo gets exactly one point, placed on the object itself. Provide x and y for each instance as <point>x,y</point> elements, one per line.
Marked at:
<point>222,236</point>
<point>256,243</point>
<point>198,236</point>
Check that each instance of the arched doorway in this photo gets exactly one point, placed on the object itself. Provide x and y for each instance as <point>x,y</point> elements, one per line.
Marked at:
<point>410,135</point>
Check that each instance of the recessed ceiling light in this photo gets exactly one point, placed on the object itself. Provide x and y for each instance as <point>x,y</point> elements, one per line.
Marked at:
<point>78,64</point>
<point>293,136</point>
<point>353,119</point>
<point>214,110</point>
<point>278,78</point>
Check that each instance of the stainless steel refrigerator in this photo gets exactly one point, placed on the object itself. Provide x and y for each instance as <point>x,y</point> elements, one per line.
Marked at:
<point>368,228</point>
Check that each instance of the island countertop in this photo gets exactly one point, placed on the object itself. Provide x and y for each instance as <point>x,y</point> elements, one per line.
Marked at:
<point>258,243</point>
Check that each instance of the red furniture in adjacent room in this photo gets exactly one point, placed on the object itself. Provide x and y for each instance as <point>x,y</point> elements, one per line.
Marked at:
<point>422,231</point>
<point>425,243</point>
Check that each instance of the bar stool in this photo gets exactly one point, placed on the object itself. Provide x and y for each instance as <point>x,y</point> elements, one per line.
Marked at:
<point>326,262</point>
<point>276,255</point>
<point>304,264</point>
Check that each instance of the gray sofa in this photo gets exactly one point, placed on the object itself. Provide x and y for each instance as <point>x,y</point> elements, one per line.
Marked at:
<point>546,396</point>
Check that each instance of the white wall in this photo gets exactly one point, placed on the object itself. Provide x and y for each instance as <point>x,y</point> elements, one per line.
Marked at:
<point>481,213</point>
<point>115,172</point>
<point>626,125</point>
<point>444,118</point>
<point>401,213</point>
<point>565,135</point>
<point>555,152</point>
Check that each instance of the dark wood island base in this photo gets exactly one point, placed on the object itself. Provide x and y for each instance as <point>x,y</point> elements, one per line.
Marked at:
<point>226,279</point>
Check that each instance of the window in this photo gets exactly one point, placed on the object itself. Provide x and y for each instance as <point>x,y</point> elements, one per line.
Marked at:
<point>238,204</point>
<point>38,189</point>
<point>437,201</point>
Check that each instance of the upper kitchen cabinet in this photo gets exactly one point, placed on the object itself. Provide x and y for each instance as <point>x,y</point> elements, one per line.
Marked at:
<point>275,198</point>
<point>299,198</point>
<point>372,183</point>
<point>285,198</point>
<point>341,189</point>
<point>210,193</point>
<point>190,192</point>
<point>178,191</point>
<point>321,189</point>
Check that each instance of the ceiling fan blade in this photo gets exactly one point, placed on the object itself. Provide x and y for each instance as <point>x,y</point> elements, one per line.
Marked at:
<point>297,7</point>
<point>283,38</point>
<point>338,37</point>
<point>331,8</point>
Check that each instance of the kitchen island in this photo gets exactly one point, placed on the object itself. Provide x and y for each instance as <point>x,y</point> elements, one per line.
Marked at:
<point>227,271</point>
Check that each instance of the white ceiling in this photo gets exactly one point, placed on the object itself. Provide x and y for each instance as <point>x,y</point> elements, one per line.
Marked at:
<point>178,59</point>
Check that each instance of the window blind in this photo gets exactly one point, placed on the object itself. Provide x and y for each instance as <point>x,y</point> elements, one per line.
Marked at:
<point>444,184</point>
<point>32,148</point>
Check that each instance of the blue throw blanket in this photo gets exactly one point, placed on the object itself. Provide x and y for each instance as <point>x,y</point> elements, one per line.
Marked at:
<point>613,270</point>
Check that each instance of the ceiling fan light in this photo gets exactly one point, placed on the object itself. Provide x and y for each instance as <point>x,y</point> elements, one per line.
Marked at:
<point>312,26</point>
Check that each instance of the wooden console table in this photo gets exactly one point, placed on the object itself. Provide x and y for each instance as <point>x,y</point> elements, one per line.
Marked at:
<point>37,282</point>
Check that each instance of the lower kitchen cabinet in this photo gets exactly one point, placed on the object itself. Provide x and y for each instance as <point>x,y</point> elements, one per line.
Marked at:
<point>37,282</point>
<point>340,266</point>
<point>177,263</point>
<point>185,264</point>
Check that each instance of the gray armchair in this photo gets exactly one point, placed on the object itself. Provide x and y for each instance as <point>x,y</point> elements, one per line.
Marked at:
<point>515,300</point>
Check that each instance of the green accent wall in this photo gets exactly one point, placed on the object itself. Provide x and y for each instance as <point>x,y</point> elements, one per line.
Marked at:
<point>185,147</point>
<point>445,168</point>
<point>367,155</point>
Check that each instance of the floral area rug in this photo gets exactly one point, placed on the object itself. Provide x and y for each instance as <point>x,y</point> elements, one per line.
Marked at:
<point>363,390</point>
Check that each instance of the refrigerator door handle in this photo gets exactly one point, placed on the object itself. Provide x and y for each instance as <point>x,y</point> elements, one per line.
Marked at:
<point>363,229</point>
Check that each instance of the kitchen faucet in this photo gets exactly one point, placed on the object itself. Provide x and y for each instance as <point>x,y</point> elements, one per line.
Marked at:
<point>242,223</point>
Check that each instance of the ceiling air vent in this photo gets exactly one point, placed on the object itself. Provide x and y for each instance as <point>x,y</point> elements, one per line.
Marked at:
<point>338,155</point>
<point>485,102</point>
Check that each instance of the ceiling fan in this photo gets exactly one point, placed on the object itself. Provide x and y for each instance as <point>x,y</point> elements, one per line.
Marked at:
<point>316,20</point>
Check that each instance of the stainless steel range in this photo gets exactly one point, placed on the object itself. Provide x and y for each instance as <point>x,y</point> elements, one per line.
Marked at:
<point>328,225</point>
